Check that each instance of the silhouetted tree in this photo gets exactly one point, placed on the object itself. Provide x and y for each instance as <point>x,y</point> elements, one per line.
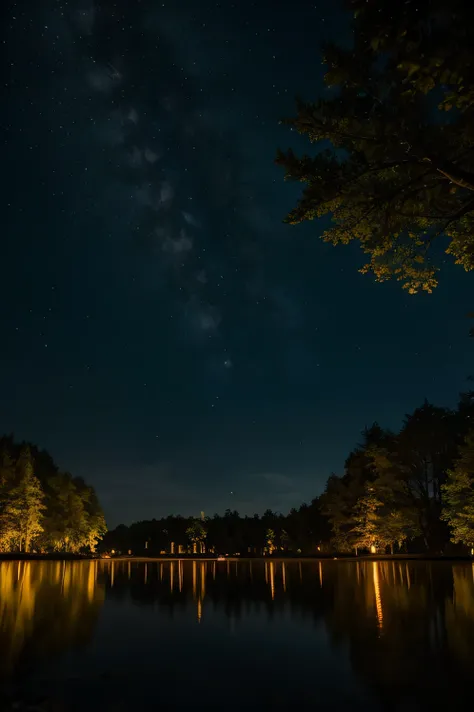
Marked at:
<point>394,138</point>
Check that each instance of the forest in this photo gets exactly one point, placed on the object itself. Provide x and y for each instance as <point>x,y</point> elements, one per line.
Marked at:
<point>405,492</point>
<point>43,510</point>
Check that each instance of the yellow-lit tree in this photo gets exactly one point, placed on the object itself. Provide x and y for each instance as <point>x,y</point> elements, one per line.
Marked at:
<point>23,512</point>
<point>458,492</point>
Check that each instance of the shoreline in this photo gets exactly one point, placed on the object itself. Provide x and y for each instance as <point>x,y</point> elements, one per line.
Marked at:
<point>278,559</point>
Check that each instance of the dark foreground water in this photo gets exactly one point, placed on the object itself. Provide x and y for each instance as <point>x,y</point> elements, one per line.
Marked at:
<point>188,635</point>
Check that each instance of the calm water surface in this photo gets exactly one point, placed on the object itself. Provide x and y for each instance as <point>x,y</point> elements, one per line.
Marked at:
<point>333,635</point>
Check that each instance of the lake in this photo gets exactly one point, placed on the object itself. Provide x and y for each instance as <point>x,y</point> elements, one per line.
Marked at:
<point>329,635</point>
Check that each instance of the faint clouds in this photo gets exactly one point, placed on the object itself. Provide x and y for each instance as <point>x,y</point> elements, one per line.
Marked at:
<point>208,320</point>
<point>104,78</point>
<point>204,317</point>
<point>178,245</point>
<point>150,156</point>
<point>277,480</point>
<point>190,219</point>
<point>133,115</point>
<point>135,157</point>
<point>155,197</point>
<point>166,193</point>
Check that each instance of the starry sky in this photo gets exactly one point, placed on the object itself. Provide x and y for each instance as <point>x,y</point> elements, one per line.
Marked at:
<point>164,334</point>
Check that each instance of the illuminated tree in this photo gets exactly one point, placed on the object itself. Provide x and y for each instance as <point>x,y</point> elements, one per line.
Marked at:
<point>398,515</point>
<point>197,533</point>
<point>368,530</point>
<point>43,508</point>
<point>285,539</point>
<point>270,540</point>
<point>23,512</point>
<point>458,494</point>
<point>393,165</point>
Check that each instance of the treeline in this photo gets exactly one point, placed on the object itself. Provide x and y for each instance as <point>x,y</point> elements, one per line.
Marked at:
<point>301,530</point>
<point>43,509</point>
<point>411,491</point>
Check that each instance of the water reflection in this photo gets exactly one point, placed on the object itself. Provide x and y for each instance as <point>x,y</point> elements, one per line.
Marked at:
<point>45,608</point>
<point>403,631</point>
<point>408,627</point>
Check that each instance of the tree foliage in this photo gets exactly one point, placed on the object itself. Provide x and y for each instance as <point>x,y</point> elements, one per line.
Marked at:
<point>41,508</point>
<point>459,495</point>
<point>22,515</point>
<point>394,159</point>
<point>391,495</point>
<point>391,491</point>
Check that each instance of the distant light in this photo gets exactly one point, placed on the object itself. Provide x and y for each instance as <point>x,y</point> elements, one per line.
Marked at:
<point>113,551</point>
<point>373,549</point>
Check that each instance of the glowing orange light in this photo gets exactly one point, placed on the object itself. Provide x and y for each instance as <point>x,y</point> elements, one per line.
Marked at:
<point>378,596</point>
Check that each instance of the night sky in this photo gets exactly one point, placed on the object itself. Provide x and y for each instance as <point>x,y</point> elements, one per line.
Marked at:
<point>163,333</point>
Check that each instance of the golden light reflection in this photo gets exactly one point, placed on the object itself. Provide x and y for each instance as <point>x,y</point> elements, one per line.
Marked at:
<point>378,596</point>
<point>112,575</point>
<point>46,606</point>
<point>320,575</point>
<point>180,575</point>
<point>272,579</point>
<point>199,610</point>
<point>172,576</point>
<point>194,578</point>
<point>400,573</point>
<point>146,574</point>
<point>283,575</point>
<point>91,580</point>
<point>203,580</point>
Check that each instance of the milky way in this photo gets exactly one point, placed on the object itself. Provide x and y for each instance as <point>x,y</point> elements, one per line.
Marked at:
<point>164,334</point>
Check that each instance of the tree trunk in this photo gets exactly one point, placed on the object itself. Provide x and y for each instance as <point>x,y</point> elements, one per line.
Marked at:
<point>391,549</point>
